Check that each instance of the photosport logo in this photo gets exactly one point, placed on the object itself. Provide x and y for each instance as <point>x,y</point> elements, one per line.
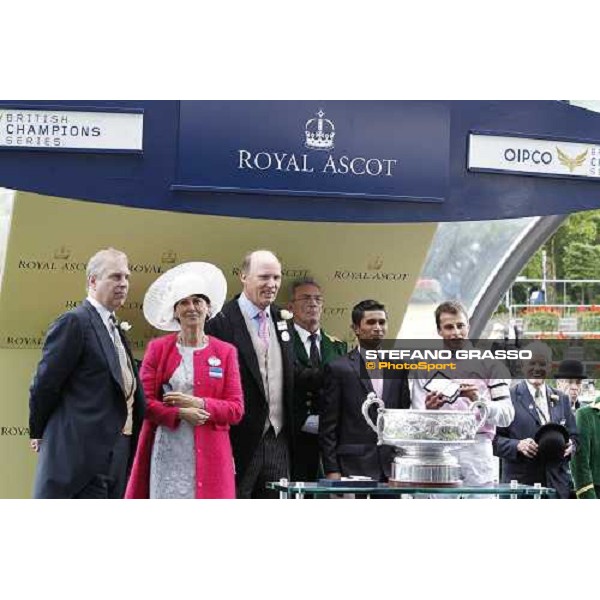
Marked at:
<point>318,135</point>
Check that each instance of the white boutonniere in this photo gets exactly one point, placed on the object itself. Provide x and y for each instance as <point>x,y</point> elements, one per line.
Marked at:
<point>554,399</point>
<point>286,314</point>
<point>125,326</point>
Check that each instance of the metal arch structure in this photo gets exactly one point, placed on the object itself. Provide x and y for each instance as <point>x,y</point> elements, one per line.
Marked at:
<point>515,260</point>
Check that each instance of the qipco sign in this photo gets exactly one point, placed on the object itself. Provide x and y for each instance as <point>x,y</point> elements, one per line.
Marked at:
<point>526,155</point>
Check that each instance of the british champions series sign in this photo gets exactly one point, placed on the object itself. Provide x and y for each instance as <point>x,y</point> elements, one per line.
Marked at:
<point>75,130</point>
<point>384,150</point>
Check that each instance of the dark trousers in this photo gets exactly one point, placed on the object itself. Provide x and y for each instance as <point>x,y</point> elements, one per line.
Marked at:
<point>270,462</point>
<point>110,485</point>
<point>306,458</point>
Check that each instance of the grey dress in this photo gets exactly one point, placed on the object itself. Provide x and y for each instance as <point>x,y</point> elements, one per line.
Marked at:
<point>173,459</point>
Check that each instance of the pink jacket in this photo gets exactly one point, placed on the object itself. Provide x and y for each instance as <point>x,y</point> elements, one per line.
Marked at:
<point>215,471</point>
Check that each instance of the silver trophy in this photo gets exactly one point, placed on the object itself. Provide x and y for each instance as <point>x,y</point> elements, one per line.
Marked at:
<point>424,440</point>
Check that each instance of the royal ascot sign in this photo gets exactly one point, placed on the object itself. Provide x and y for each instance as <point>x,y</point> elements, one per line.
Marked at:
<point>385,150</point>
<point>553,158</point>
<point>74,130</point>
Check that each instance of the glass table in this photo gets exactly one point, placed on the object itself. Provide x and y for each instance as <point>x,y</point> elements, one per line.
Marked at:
<point>301,489</point>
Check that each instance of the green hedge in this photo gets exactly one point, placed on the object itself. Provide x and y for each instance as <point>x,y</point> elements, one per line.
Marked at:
<point>541,321</point>
<point>588,322</point>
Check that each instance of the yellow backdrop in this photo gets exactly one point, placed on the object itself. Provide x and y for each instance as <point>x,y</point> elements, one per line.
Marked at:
<point>51,239</point>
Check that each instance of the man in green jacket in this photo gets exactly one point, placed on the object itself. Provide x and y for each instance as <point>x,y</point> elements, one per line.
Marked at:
<point>585,465</point>
<point>314,349</point>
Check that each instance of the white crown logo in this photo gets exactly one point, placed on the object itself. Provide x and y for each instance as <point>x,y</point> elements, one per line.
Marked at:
<point>319,133</point>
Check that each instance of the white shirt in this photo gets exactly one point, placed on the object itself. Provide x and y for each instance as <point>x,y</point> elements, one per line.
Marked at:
<point>376,377</point>
<point>542,401</point>
<point>485,374</point>
<point>304,335</point>
<point>104,313</point>
<point>251,311</point>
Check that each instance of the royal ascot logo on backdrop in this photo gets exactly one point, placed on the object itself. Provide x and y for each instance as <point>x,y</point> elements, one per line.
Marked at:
<point>62,253</point>
<point>285,273</point>
<point>24,341</point>
<point>129,304</point>
<point>319,134</point>
<point>335,311</point>
<point>169,257</point>
<point>59,263</point>
<point>373,273</point>
<point>375,264</point>
<point>14,430</point>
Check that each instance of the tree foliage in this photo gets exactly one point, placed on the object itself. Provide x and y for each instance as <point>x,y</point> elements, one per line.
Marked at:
<point>572,252</point>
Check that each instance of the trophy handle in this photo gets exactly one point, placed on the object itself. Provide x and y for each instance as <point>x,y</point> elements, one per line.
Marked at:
<point>484,411</point>
<point>373,399</point>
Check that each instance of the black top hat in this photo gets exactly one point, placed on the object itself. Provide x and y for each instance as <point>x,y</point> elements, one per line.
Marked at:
<point>552,440</point>
<point>571,369</point>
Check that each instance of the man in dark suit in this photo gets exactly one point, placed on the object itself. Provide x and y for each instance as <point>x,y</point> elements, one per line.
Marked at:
<point>314,348</point>
<point>263,442</point>
<point>536,404</point>
<point>86,403</point>
<point>348,444</point>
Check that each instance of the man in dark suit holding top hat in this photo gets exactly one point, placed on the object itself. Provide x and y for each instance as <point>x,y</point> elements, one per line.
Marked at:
<point>537,446</point>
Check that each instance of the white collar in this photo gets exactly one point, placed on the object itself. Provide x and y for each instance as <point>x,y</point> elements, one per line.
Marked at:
<point>104,313</point>
<point>532,388</point>
<point>304,334</point>
<point>249,308</point>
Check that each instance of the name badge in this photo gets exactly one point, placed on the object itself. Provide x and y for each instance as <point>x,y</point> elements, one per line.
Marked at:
<point>216,372</point>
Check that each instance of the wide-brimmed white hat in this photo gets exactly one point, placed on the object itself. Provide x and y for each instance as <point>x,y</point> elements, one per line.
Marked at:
<point>178,283</point>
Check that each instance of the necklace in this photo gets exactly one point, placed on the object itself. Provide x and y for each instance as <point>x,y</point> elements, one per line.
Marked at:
<point>201,342</point>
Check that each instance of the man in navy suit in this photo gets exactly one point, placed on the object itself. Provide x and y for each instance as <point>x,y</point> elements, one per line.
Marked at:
<point>86,403</point>
<point>348,444</point>
<point>536,404</point>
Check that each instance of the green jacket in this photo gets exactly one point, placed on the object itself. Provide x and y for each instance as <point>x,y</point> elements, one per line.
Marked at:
<point>585,465</point>
<point>308,381</point>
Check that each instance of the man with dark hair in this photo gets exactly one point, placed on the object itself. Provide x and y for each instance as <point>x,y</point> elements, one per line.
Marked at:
<point>348,444</point>
<point>484,380</point>
<point>86,403</point>
<point>314,348</point>
<point>263,441</point>
<point>450,307</point>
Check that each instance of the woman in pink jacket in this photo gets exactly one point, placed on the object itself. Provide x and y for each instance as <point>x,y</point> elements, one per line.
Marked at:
<point>193,392</point>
